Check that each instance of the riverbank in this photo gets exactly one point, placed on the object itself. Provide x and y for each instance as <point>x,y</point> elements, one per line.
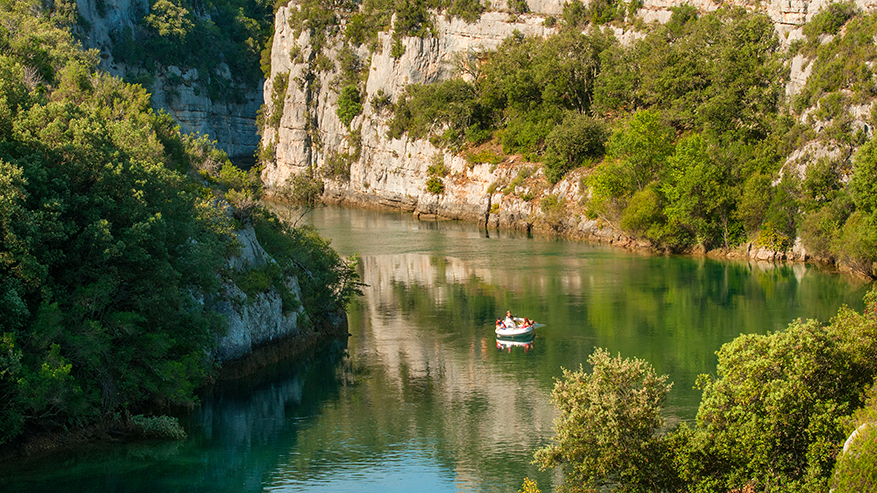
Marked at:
<point>297,348</point>
<point>511,212</point>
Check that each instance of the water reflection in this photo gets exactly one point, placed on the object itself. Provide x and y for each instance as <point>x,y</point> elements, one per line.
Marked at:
<point>425,396</point>
<point>507,344</point>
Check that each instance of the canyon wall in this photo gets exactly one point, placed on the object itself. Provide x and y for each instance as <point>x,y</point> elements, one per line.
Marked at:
<point>178,90</point>
<point>254,320</point>
<point>393,173</point>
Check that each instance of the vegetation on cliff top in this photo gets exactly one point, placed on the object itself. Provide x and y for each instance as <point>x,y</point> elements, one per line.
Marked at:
<point>222,39</point>
<point>114,235</point>
<point>682,134</point>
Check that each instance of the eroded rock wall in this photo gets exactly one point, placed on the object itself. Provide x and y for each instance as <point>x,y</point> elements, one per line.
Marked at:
<point>231,124</point>
<point>393,173</point>
<point>258,319</point>
<point>390,172</point>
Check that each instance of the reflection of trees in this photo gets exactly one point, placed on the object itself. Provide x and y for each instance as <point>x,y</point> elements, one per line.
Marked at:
<point>674,312</point>
<point>425,327</point>
<point>248,426</point>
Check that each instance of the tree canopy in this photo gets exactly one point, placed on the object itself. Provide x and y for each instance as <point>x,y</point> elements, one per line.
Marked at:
<point>774,417</point>
<point>114,235</point>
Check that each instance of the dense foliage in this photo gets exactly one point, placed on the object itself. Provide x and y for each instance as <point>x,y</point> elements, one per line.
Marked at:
<point>222,39</point>
<point>106,245</point>
<point>684,132</point>
<point>607,424</point>
<point>112,249</point>
<point>774,418</point>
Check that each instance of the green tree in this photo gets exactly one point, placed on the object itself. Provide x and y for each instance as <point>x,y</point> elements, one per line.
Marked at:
<point>821,228</point>
<point>442,111</point>
<point>697,188</point>
<point>641,146</point>
<point>577,139</point>
<point>773,418</point>
<point>863,182</point>
<point>856,244</point>
<point>754,201</point>
<point>644,216</point>
<point>169,19</point>
<point>605,434</point>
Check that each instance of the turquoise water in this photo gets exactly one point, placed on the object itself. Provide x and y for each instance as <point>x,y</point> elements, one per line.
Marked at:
<point>422,398</point>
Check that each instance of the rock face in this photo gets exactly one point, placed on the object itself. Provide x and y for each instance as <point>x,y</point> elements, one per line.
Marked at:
<point>257,320</point>
<point>232,125</point>
<point>393,173</point>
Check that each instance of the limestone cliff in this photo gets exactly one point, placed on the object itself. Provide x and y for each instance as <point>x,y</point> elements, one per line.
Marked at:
<point>390,172</point>
<point>178,90</point>
<point>393,173</point>
<point>254,320</point>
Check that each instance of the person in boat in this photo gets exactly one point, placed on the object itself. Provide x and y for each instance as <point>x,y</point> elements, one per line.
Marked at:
<point>509,322</point>
<point>499,324</point>
<point>528,322</point>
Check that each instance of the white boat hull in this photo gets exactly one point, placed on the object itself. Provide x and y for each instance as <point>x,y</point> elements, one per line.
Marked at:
<point>514,332</point>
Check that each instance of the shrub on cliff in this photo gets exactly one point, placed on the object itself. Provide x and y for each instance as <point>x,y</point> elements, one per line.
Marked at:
<point>349,104</point>
<point>442,111</point>
<point>468,10</point>
<point>829,19</point>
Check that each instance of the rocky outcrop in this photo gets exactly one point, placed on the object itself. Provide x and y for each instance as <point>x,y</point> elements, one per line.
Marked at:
<point>391,173</point>
<point>178,90</point>
<point>257,319</point>
<point>261,330</point>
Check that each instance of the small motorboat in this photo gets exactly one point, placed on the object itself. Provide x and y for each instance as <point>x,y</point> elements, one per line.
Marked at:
<point>516,331</point>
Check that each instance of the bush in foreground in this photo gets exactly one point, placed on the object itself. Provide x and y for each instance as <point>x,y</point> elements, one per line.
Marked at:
<point>774,418</point>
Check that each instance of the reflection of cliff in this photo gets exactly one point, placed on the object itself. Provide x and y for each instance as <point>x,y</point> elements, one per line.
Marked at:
<point>409,389</point>
<point>478,411</point>
<point>247,426</point>
<point>425,388</point>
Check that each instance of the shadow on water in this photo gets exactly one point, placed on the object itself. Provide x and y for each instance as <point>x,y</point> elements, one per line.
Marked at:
<point>238,434</point>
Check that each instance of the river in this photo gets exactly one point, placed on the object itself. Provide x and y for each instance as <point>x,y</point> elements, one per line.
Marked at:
<point>423,397</point>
